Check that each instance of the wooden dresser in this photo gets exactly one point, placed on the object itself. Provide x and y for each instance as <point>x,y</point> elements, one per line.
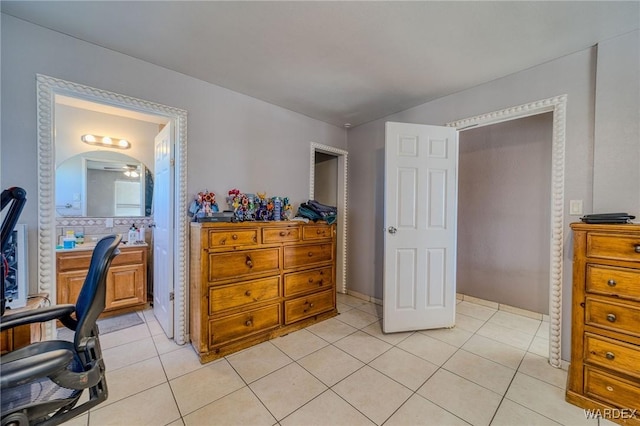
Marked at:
<point>253,281</point>
<point>605,328</point>
<point>23,335</point>
<point>126,279</point>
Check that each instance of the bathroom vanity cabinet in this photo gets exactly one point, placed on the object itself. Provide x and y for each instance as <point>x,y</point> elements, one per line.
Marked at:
<point>126,279</point>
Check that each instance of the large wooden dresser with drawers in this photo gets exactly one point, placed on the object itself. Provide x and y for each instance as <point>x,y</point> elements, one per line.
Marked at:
<point>253,281</point>
<point>605,336</point>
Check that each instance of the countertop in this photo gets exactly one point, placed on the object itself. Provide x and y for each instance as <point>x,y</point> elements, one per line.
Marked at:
<point>92,245</point>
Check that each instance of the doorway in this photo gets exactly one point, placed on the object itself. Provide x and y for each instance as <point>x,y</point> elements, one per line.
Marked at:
<point>330,183</point>
<point>557,106</point>
<point>48,89</point>
<point>504,216</point>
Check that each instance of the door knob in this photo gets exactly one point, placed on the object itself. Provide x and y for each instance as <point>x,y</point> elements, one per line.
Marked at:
<point>392,230</point>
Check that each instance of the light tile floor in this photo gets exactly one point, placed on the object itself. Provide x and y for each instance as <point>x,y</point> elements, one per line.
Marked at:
<point>491,369</point>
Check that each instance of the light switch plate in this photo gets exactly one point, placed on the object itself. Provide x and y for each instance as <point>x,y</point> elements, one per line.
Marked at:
<point>575,208</point>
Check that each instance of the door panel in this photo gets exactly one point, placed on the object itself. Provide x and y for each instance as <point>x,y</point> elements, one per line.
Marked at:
<point>420,227</point>
<point>163,231</point>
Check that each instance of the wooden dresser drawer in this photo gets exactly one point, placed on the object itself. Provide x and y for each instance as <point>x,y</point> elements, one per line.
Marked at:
<point>239,237</point>
<point>280,235</point>
<point>612,354</point>
<point>307,255</point>
<point>304,307</point>
<point>613,316</point>
<point>615,247</point>
<point>304,282</point>
<point>130,256</point>
<point>235,295</point>
<point>67,261</point>
<point>316,232</point>
<point>73,260</point>
<point>612,389</point>
<point>609,280</point>
<point>238,263</point>
<point>243,324</point>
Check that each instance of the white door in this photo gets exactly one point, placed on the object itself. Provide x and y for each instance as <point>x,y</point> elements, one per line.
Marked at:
<point>420,212</point>
<point>163,231</point>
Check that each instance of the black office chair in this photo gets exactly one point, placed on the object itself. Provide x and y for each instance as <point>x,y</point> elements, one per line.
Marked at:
<point>42,383</point>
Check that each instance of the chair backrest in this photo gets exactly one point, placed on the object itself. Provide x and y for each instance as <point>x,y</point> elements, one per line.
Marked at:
<point>92,297</point>
<point>15,198</point>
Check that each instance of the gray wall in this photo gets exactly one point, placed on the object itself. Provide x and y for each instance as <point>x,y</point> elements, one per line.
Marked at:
<point>234,141</point>
<point>504,188</point>
<point>573,75</point>
<point>616,169</point>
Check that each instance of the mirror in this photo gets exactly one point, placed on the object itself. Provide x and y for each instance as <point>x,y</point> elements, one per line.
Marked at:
<point>103,184</point>
<point>103,181</point>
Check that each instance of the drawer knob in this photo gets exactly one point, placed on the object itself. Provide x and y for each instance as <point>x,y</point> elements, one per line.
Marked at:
<point>610,388</point>
<point>637,248</point>
<point>612,283</point>
<point>319,232</point>
<point>248,323</point>
<point>248,293</point>
<point>611,318</point>
<point>249,262</point>
<point>310,280</point>
<point>282,233</point>
<point>234,237</point>
<point>320,283</point>
<point>311,305</point>
<point>310,253</point>
<point>610,356</point>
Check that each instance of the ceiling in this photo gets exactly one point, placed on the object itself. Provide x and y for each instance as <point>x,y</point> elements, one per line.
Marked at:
<point>339,62</point>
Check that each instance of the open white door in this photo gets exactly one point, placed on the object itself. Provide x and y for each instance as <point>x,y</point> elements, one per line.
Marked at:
<point>163,231</point>
<point>420,227</point>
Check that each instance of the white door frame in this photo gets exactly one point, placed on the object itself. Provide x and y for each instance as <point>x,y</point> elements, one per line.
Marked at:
<point>558,106</point>
<point>46,90</point>
<point>341,255</point>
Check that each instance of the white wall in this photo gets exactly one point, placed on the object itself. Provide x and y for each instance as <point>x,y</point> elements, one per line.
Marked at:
<point>573,75</point>
<point>234,141</point>
<point>71,123</point>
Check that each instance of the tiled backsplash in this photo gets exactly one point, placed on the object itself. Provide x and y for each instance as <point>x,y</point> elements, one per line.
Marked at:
<point>96,226</point>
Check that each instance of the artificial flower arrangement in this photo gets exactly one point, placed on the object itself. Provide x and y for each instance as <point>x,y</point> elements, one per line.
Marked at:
<point>204,204</point>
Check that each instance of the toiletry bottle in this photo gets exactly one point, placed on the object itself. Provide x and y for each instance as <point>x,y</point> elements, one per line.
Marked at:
<point>132,234</point>
<point>69,241</point>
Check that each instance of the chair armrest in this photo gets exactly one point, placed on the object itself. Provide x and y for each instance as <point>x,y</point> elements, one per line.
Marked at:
<point>24,370</point>
<point>36,315</point>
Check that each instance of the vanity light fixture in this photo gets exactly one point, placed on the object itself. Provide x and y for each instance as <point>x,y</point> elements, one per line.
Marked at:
<point>131,173</point>
<point>106,141</point>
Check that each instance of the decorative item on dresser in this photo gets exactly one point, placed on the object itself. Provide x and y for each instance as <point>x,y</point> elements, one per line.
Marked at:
<point>253,281</point>
<point>604,374</point>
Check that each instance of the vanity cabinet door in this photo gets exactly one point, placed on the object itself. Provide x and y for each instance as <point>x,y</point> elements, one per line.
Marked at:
<point>69,286</point>
<point>125,286</point>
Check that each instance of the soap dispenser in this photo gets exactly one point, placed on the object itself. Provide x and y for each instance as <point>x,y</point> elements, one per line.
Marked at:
<point>133,234</point>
